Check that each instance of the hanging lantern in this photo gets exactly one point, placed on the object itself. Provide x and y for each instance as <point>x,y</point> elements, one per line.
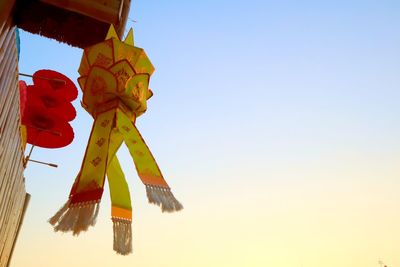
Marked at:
<point>46,109</point>
<point>45,129</point>
<point>56,84</point>
<point>55,92</point>
<point>114,81</point>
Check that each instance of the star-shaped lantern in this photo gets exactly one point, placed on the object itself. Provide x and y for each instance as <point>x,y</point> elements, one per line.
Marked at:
<point>115,84</point>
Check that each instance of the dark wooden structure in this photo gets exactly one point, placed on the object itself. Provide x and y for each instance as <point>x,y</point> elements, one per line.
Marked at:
<point>12,183</point>
<point>78,23</point>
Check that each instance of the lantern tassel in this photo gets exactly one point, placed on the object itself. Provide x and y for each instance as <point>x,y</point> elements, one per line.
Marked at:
<point>76,218</point>
<point>122,236</point>
<point>163,197</point>
<point>53,220</point>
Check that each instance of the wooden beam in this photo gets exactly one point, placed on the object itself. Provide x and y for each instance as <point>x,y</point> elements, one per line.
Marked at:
<point>21,220</point>
<point>5,10</point>
<point>107,11</point>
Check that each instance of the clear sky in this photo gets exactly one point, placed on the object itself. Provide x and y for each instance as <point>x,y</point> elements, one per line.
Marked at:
<point>276,123</point>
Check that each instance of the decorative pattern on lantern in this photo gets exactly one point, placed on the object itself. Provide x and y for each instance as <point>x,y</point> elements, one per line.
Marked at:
<point>46,109</point>
<point>114,81</point>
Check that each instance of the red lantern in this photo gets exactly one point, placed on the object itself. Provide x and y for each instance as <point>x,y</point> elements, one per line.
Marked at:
<point>45,129</point>
<point>22,97</point>
<point>51,101</point>
<point>46,109</point>
<point>56,84</point>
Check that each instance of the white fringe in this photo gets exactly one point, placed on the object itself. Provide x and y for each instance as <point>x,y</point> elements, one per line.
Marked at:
<point>53,220</point>
<point>122,236</point>
<point>96,213</point>
<point>162,196</point>
<point>75,218</point>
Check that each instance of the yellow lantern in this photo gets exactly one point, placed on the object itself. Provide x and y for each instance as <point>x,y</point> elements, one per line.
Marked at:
<point>115,84</point>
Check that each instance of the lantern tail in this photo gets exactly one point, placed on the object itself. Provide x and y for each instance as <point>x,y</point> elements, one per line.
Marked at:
<point>157,189</point>
<point>75,218</point>
<point>82,208</point>
<point>122,236</point>
<point>163,197</point>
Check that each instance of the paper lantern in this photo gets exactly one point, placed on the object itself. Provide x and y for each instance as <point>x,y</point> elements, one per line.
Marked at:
<point>55,91</point>
<point>114,81</point>
<point>46,130</point>
<point>46,109</point>
<point>55,84</point>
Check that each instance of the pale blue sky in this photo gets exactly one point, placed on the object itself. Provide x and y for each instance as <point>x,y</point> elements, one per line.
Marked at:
<point>263,109</point>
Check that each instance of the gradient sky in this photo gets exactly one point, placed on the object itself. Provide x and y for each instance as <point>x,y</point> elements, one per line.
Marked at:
<point>276,123</point>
